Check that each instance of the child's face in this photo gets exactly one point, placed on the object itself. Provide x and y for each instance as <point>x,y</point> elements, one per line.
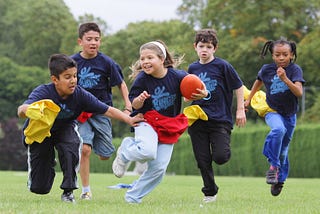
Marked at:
<point>205,51</point>
<point>151,63</point>
<point>66,83</point>
<point>90,43</point>
<point>282,55</point>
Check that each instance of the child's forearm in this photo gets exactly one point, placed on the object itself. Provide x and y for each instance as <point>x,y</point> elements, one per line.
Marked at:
<point>256,86</point>
<point>240,98</point>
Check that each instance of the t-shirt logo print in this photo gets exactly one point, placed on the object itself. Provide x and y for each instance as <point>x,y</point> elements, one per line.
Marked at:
<point>277,86</point>
<point>211,84</point>
<point>161,99</point>
<point>88,79</point>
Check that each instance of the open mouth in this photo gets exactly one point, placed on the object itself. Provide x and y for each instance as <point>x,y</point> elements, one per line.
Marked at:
<point>147,67</point>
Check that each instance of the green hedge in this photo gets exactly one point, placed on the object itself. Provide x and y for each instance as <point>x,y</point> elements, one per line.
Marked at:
<point>246,158</point>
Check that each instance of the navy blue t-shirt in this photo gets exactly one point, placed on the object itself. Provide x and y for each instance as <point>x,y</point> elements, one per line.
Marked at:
<point>279,96</point>
<point>79,101</point>
<point>220,79</point>
<point>98,75</point>
<point>165,92</point>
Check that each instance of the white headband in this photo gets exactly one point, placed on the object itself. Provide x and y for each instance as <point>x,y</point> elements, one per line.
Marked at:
<point>162,48</point>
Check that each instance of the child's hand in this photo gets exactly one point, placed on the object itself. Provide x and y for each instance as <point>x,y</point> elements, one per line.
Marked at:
<point>143,96</point>
<point>203,93</point>
<point>35,112</point>
<point>198,96</point>
<point>22,110</point>
<point>134,121</point>
<point>246,105</point>
<point>138,102</point>
<point>281,73</point>
<point>240,118</point>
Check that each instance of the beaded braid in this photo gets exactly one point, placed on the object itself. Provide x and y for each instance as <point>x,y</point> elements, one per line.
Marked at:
<point>270,44</point>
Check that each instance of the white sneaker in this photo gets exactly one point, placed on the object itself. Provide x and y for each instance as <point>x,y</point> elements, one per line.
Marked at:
<point>209,199</point>
<point>118,166</point>
<point>86,196</point>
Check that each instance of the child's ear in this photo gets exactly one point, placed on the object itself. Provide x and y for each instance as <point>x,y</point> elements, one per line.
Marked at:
<point>79,42</point>
<point>54,79</point>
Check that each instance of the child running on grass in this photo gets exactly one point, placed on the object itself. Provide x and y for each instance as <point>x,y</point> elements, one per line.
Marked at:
<point>283,81</point>
<point>52,110</point>
<point>156,94</point>
<point>211,137</point>
<point>98,74</point>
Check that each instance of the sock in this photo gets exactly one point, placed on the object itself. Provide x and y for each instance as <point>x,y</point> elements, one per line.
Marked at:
<point>86,189</point>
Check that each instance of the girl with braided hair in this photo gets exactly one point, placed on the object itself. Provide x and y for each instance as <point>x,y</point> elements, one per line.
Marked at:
<point>283,81</point>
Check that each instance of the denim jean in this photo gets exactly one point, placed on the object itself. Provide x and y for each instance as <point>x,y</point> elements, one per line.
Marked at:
<point>97,132</point>
<point>144,147</point>
<point>276,145</point>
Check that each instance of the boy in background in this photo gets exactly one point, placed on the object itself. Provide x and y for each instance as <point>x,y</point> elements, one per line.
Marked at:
<point>97,73</point>
<point>211,138</point>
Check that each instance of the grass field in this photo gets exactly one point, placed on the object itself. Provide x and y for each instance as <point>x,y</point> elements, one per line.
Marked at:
<point>176,194</point>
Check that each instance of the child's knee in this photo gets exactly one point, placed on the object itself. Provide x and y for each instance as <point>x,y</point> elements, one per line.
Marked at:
<point>280,130</point>
<point>86,150</point>
<point>148,155</point>
<point>222,159</point>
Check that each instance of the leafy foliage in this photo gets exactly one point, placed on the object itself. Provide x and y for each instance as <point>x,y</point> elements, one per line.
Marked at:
<point>309,57</point>
<point>34,30</point>
<point>17,83</point>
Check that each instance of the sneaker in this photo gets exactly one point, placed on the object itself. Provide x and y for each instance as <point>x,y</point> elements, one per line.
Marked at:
<point>118,166</point>
<point>276,188</point>
<point>68,197</point>
<point>86,196</point>
<point>272,176</point>
<point>209,199</point>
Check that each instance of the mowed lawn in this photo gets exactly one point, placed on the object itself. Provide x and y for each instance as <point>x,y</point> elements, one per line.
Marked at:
<point>176,194</point>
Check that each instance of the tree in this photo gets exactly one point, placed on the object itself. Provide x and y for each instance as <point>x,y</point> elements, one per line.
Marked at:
<point>17,82</point>
<point>32,30</point>
<point>104,27</point>
<point>308,57</point>
<point>190,12</point>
